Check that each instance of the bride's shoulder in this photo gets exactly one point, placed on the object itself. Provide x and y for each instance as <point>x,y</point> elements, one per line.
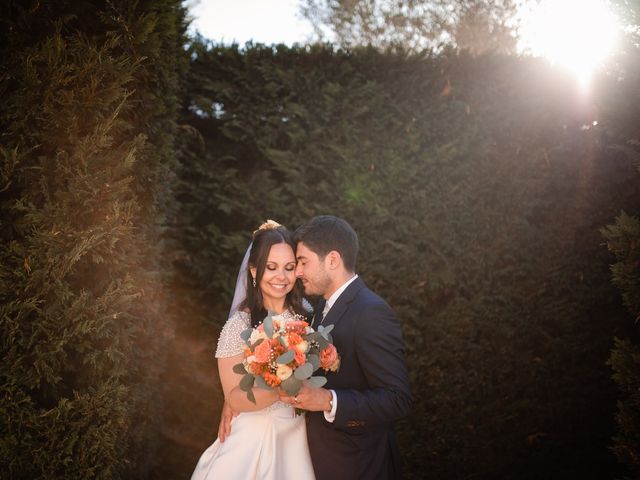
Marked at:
<point>240,316</point>
<point>230,342</point>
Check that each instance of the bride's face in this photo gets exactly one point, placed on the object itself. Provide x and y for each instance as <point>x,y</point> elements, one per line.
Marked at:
<point>279,274</point>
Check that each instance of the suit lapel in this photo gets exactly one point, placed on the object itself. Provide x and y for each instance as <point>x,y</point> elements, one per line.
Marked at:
<point>342,303</point>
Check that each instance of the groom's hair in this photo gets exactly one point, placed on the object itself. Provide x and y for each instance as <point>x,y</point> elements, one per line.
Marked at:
<point>325,233</point>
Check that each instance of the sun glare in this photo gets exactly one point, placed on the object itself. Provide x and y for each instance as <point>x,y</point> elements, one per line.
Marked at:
<point>575,34</point>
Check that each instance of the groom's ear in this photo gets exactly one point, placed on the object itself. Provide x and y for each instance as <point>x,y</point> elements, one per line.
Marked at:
<point>334,259</point>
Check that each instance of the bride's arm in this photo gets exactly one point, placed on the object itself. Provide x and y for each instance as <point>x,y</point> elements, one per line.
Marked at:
<point>236,397</point>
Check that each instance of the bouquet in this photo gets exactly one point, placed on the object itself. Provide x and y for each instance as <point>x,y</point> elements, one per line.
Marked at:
<point>284,353</point>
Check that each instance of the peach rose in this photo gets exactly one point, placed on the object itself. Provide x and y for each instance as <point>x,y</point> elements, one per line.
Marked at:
<point>329,359</point>
<point>263,352</point>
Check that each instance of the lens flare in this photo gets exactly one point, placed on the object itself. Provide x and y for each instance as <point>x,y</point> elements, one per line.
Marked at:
<point>575,34</point>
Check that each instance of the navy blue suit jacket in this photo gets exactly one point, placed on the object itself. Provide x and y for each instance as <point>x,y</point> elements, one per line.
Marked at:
<point>372,389</point>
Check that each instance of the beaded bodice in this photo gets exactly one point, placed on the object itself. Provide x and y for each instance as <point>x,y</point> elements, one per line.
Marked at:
<point>230,343</point>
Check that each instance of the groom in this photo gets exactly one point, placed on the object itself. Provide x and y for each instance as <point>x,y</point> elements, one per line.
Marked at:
<point>350,420</point>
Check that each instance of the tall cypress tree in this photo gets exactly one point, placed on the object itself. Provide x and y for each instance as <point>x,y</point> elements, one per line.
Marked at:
<point>88,115</point>
<point>621,118</point>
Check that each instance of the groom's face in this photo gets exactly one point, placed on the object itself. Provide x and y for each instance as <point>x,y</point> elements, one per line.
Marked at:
<point>312,271</point>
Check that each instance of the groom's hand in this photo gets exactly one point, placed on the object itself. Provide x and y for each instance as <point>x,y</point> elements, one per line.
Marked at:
<point>227,414</point>
<point>311,399</point>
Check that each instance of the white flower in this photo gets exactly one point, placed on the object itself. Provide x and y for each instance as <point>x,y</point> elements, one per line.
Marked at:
<point>256,335</point>
<point>250,359</point>
<point>302,347</point>
<point>284,371</point>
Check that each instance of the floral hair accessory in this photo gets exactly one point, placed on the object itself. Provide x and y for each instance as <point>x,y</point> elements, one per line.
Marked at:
<point>268,225</point>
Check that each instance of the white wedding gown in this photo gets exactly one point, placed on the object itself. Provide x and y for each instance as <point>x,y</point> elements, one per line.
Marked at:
<point>270,444</point>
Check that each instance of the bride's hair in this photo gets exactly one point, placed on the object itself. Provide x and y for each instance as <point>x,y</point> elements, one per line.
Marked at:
<point>269,234</point>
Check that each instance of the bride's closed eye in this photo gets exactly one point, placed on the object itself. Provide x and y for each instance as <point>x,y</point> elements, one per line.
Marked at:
<point>289,267</point>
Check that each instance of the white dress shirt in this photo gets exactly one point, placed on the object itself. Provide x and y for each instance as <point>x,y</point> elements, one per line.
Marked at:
<point>331,415</point>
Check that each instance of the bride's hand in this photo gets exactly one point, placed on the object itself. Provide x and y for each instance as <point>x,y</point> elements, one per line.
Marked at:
<point>227,414</point>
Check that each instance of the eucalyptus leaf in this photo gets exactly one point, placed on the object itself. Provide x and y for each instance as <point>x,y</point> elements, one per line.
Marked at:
<point>239,369</point>
<point>260,383</point>
<point>317,382</point>
<point>246,334</point>
<point>286,357</point>
<point>251,396</point>
<point>246,383</point>
<point>325,330</point>
<point>304,371</point>
<point>268,325</point>
<point>312,337</point>
<point>322,343</point>
<point>291,385</point>
<point>314,360</point>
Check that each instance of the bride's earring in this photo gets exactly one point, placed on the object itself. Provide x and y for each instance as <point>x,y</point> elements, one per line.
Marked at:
<point>254,283</point>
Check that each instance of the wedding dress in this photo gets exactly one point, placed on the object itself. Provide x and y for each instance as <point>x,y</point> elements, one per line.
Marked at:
<point>269,444</point>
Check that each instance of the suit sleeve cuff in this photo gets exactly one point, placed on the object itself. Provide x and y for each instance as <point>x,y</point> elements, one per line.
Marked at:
<point>330,416</point>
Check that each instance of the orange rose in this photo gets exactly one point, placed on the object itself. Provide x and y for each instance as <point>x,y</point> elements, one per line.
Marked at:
<point>300,359</point>
<point>293,339</point>
<point>329,359</point>
<point>263,352</point>
<point>277,348</point>
<point>297,326</point>
<point>256,368</point>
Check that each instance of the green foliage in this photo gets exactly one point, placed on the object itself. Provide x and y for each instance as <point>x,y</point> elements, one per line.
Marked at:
<point>621,119</point>
<point>89,100</point>
<point>622,240</point>
<point>477,187</point>
<point>625,362</point>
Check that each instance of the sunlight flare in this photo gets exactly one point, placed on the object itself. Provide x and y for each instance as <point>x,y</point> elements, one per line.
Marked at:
<point>575,34</point>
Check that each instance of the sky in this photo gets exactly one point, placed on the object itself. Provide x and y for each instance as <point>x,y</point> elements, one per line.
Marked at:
<point>574,34</point>
<point>263,21</point>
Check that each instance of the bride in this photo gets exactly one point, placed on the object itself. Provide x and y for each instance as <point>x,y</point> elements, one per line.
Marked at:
<point>267,440</point>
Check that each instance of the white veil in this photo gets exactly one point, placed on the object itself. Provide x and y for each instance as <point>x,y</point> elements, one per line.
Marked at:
<point>240,293</point>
